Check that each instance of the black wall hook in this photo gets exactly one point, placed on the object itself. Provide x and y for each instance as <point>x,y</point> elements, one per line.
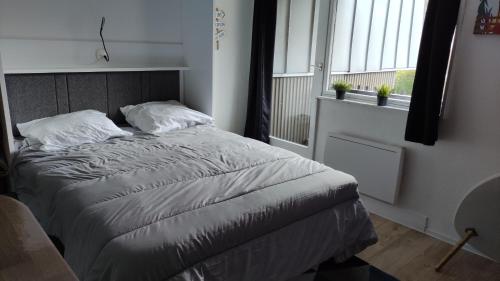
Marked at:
<point>106,56</point>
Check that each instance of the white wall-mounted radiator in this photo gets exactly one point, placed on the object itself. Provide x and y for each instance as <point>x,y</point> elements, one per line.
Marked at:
<point>377,167</point>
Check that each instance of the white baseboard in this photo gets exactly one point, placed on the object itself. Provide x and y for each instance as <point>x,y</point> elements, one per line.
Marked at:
<point>411,220</point>
<point>404,217</point>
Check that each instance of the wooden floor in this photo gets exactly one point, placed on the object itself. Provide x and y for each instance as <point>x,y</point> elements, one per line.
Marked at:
<point>411,256</point>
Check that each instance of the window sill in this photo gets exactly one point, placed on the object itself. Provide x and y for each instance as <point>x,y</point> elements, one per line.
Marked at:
<point>366,101</point>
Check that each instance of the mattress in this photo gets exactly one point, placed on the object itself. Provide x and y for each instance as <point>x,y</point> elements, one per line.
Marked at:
<point>194,204</point>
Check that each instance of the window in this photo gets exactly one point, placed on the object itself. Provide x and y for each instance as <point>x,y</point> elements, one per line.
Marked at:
<point>370,43</point>
<point>376,42</point>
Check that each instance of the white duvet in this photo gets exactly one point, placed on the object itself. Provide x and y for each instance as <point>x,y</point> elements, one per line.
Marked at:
<point>194,204</point>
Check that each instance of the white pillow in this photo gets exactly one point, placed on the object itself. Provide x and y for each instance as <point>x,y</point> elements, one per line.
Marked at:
<point>65,130</point>
<point>161,117</point>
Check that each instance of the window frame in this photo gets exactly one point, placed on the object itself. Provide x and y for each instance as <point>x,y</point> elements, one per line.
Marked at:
<point>370,98</point>
<point>367,97</point>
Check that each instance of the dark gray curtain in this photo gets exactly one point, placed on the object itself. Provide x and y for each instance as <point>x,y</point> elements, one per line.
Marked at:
<point>261,70</point>
<point>435,46</point>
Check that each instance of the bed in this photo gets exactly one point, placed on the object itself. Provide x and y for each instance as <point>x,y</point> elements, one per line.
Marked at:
<point>192,204</point>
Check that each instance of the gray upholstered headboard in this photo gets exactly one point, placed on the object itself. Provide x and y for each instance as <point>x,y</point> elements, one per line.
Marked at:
<point>33,96</point>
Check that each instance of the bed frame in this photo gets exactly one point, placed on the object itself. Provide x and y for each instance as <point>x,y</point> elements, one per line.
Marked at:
<point>7,136</point>
<point>29,96</point>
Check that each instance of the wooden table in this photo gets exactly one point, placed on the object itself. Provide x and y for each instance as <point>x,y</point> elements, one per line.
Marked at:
<point>26,252</point>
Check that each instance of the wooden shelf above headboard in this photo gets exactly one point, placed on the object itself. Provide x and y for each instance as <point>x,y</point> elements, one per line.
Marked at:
<point>95,69</point>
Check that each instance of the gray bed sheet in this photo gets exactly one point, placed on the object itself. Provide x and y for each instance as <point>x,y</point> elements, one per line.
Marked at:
<point>194,204</point>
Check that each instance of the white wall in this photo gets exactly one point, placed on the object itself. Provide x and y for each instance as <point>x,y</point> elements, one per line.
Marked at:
<point>65,33</point>
<point>232,65</point>
<point>197,36</point>
<point>436,178</point>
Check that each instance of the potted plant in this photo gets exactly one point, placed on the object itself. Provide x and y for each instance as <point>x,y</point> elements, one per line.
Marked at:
<point>383,93</point>
<point>340,88</point>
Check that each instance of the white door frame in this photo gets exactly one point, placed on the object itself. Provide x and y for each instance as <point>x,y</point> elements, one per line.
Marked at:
<point>8,137</point>
<point>320,73</point>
